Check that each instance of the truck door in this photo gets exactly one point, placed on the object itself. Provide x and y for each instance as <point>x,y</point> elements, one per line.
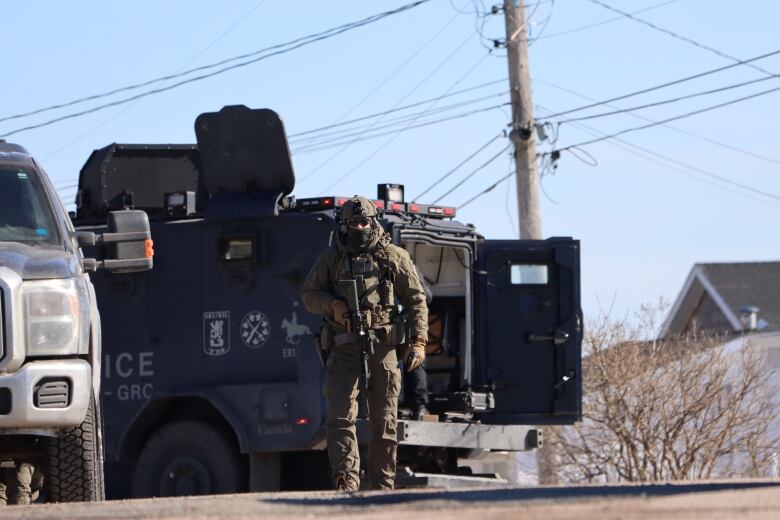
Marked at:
<point>529,330</point>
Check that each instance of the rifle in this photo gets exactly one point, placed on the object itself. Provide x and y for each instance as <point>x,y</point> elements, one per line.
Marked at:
<point>361,330</point>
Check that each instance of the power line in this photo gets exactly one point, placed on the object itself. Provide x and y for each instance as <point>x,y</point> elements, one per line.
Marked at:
<point>399,132</point>
<point>474,172</point>
<point>721,144</point>
<point>457,167</point>
<point>675,118</point>
<point>403,98</point>
<point>345,133</point>
<point>486,190</point>
<point>395,133</point>
<point>244,17</point>
<point>662,85</point>
<point>282,49</point>
<point>544,25</point>
<point>678,36</point>
<point>631,148</point>
<point>627,146</point>
<point>674,100</point>
<point>395,109</point>
<point>304,39</point>
<point>598,24</point>
<point>390,76</point>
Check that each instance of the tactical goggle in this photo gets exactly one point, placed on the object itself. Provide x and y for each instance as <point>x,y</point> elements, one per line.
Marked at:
<point>359,222</point>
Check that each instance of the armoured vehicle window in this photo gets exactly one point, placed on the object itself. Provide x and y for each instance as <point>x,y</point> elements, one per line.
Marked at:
<point>238,248</point>
<point>24,212</point>
<point>524,274</point>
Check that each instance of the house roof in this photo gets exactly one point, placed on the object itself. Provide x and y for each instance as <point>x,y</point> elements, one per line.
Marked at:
<point>731,286</point>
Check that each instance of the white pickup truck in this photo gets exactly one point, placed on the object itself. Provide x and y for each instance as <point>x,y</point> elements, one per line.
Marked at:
<point>50,337</point>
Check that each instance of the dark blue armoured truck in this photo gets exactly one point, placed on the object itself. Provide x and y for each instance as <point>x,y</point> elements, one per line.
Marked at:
<point>50,328</point>
<point>211,382</point>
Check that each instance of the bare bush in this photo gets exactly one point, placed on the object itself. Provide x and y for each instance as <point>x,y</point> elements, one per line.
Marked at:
<point>681,409</point>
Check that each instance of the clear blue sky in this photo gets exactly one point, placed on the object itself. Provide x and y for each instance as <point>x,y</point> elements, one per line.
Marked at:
<point>642,225</point>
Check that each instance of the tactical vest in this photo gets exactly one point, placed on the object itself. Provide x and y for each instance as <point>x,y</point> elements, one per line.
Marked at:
<point>374,277</point>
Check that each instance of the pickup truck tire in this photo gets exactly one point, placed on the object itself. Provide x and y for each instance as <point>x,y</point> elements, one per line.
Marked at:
<point>188,458</point>
<point>75,462</point>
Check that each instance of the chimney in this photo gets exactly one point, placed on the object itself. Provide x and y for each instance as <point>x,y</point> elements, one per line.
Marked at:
<point>748,316</point>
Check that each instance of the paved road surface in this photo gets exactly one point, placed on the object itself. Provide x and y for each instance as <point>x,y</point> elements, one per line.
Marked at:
<point>711,501</point>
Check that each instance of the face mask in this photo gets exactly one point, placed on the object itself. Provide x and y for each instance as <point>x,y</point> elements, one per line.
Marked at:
<point>360,238</point>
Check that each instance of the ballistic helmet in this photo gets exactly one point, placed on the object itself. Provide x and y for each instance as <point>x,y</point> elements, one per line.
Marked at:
<point>358,207</point>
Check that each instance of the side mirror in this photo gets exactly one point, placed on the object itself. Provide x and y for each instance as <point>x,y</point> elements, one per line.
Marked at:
<point>127,245</point>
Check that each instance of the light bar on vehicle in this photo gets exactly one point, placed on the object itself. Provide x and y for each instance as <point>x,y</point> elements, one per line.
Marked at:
<point>322,203</point>
<point>431,211</point>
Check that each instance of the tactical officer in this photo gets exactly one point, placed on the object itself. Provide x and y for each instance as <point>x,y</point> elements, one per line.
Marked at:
<point>384,272</point>
<point>16,479</point>
<point>415,387</point>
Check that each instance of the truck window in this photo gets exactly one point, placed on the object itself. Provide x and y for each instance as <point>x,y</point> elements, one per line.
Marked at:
<point>526,274</point>
<point>24,212</point>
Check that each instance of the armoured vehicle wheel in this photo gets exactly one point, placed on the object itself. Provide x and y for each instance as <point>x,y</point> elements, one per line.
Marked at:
<point>75,462</point>
<point>187,458</point>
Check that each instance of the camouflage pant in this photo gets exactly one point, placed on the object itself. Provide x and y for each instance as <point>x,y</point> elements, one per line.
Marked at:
<point>343,383</point>
<point>15,484</point>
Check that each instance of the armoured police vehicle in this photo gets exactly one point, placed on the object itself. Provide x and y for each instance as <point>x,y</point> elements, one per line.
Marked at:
<point>50,338</point>
<point>211,382</point>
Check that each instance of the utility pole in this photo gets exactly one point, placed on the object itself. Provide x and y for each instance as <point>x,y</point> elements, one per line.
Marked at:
<point>523,133</point>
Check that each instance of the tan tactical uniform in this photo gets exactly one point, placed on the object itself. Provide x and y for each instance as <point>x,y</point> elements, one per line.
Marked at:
<point>388,273</point>
<point>16,484</point>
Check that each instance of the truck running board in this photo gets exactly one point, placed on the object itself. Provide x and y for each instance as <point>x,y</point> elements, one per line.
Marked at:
<point>497,437</point>
<point>406,478</point>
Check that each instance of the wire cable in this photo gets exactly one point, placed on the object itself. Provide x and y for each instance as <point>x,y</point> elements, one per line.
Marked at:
<point>678,36</point>
<point>486,190</point>
<point>399,132</point>
<point>675,164</point>
<point>457,167</point>
<point>355,131</point>
<point>674,100</point>
<point>280,49</point>
<point>675,118</point>
<point>543,24</point>
<point>474,172</point>
<point>604,22</point>
<point>385,80</point>
<point>244,17</point>
<point>721,144</point>
<point>662,85</point>
<point>398,103</point>
<point>395,109</point>
<point>404,129</point>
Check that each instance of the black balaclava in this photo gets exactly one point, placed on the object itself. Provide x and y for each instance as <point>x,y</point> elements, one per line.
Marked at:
<point>362,239</point>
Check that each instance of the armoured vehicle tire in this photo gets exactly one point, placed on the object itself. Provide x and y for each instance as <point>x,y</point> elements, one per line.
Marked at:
<point>75,462</point>
<point>187,458</point>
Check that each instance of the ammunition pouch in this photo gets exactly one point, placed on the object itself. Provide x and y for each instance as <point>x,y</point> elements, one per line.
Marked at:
<point>384,333</point>
<point>394,333</point>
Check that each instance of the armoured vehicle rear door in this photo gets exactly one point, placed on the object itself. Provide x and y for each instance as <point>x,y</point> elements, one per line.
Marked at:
<point>529,329</point>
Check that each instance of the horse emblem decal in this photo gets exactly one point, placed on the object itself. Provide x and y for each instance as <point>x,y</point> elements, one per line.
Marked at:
<point>294,329</point>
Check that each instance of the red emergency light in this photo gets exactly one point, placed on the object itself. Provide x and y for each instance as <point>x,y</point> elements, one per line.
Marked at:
<point>323,203</point>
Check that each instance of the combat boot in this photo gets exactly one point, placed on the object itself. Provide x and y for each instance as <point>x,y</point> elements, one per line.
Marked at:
<point>419,412</point>
<point>346,482</point>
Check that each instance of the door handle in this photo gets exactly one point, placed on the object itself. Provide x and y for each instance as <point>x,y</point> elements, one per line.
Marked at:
<point>558,338</point>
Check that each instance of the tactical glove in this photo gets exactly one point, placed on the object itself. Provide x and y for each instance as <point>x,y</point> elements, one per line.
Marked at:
<point>340,313</point>
<point>415,354</point>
